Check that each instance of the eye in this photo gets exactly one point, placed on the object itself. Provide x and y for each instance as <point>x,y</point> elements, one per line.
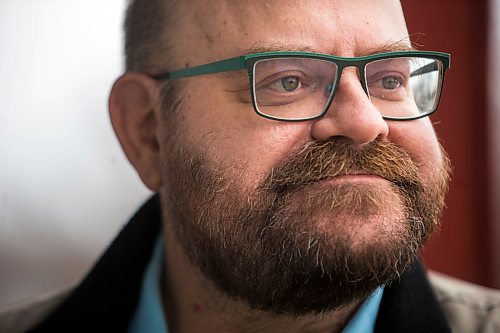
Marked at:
<point>290,83</point>
<point>391,82</point>
<point>387,80</point>
<point>286,84</point>
<point>389,86</point>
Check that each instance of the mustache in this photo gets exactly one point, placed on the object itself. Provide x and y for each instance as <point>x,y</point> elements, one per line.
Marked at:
<point>319,160</point>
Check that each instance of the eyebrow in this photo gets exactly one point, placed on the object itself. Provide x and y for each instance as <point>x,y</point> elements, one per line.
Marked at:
<point>399,46</point>
<point>261,48</point>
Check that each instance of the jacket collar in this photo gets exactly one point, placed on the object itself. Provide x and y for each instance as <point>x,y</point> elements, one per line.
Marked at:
<point>107,297</point>
<point>409,305</point>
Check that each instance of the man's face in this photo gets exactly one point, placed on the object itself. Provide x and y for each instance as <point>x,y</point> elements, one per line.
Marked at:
<point>243,192</point>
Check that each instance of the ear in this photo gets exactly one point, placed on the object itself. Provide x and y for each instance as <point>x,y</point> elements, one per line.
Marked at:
<point>135,115</point>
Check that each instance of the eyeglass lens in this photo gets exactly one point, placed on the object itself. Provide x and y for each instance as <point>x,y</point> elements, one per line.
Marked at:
<point>301,88</point>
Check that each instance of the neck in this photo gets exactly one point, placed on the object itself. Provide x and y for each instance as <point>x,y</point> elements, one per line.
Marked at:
<point>193,304</point>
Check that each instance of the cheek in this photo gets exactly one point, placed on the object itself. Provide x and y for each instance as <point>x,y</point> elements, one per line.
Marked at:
<point>233,137</point>
<point>419,139</point>
<point>253,151</point>
<point>259,149</point>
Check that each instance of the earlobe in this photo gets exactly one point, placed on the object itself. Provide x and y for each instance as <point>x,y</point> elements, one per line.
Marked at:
<point>134,109</point>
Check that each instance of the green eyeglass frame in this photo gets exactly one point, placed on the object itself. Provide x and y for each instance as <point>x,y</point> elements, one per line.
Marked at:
<point>248,62</point>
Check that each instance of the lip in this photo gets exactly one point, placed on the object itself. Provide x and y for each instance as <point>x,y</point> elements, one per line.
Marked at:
<point>354,178</point>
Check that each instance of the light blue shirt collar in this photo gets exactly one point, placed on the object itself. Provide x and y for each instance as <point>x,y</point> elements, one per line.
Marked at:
<point>149,317</point>
<point>364,319</point>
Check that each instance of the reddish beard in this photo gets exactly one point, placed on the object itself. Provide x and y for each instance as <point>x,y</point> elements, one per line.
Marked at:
<point>267,248</point>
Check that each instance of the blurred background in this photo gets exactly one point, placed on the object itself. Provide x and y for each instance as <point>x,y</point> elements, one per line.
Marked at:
<point>468,123</point>
<point>66,188</point>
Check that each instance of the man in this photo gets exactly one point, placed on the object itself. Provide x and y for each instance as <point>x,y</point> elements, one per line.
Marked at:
<point>297,170</point>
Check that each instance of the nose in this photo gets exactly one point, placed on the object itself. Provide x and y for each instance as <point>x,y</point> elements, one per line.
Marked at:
<point>351,115</point>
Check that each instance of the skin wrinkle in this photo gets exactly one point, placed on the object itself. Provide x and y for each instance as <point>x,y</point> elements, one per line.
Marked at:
<point>236,10</point>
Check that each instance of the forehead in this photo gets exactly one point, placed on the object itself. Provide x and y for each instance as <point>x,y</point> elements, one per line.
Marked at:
<point>226,28</point>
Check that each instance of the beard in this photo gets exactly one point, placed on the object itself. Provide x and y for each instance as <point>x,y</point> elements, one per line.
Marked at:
<point>298,244</point>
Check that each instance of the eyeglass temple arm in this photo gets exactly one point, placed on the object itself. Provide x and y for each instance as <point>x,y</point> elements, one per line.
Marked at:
<point>433,66</point>
<point>214,67</point>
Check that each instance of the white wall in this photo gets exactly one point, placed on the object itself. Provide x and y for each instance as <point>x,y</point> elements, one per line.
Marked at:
<point>65,187</point>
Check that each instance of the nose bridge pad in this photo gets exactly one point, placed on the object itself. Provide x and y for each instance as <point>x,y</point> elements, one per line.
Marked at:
<point>360,70</point>
<point>334,85</point>
<point>361,77</point>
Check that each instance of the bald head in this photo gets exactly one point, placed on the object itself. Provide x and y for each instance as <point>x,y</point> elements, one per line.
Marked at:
<point>166,34</point>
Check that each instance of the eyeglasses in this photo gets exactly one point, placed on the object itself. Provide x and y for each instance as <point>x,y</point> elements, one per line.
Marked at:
<point>299,86</point>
